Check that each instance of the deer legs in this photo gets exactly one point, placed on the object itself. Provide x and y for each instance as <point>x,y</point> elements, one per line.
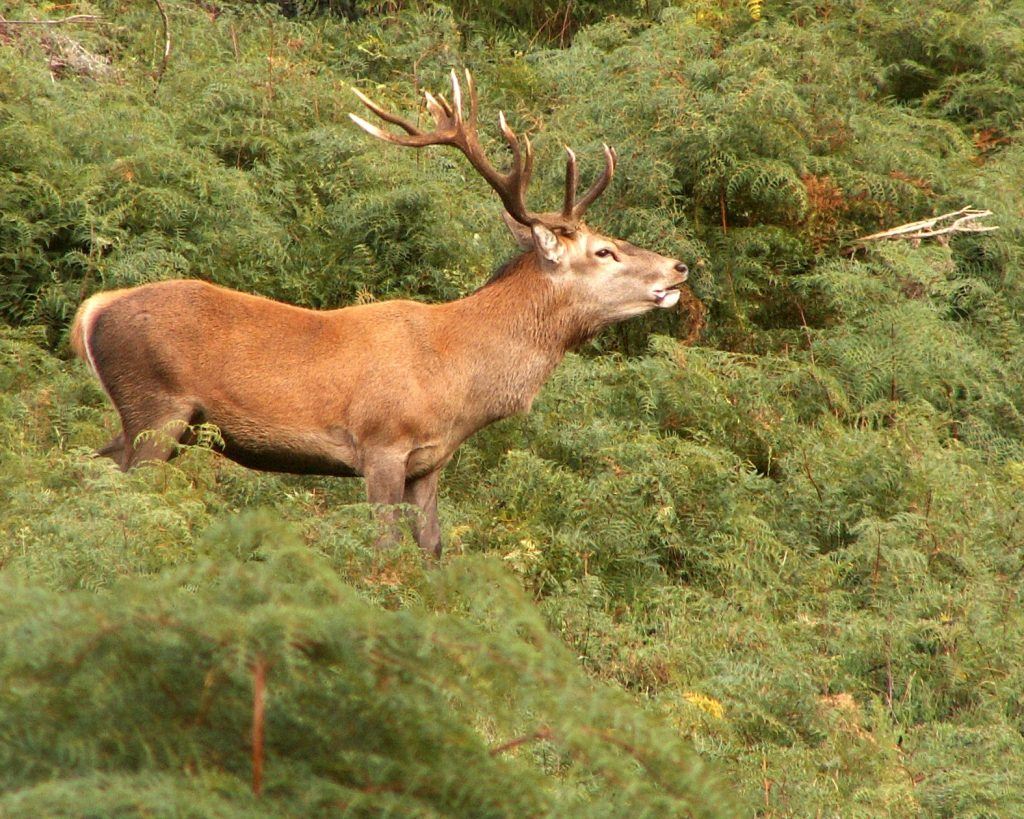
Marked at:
<point>149,433</point>
<point>422,493</point>
<point>387,486</point>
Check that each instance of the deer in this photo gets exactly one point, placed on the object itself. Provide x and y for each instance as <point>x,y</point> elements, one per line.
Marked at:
<point>386,390</point>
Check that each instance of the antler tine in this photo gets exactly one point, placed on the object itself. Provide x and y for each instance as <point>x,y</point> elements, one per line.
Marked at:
<point>527,161</point>
<point>387,116</point>
<point>439,110</point>
<point>445,105</point>
<point>571,179</point>
<point>518,177</point>
<point>513,144</point>
<point>380,133</point>
<point>456,97</point>
<point>451,129</point>
<point>472,98</point>
<point>610,159</point>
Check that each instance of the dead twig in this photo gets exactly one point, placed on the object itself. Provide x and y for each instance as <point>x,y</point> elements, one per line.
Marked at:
<point>167,41</point>
<point>259,687</point>
<point>540,733</point>
<point>79,19</point>
<point>66,55</point>
<point>941,227</point>
<point>70,57</point>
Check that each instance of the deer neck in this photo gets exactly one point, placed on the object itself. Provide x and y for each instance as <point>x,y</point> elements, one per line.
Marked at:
<point>514,331</point>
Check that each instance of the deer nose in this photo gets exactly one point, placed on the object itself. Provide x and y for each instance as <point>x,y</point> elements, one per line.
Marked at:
<point>682,268</point>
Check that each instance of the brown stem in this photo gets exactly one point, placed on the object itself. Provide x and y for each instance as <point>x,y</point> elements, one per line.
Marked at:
<point>767,783</point>
<point>892,380</point>
<point>876,570</point>
<point>562,34</point>
<point>889,683</point>
<point>540,733</point>
<point>259,687</point>
<point>814,364</point>
<point>210,682</point>
<point>167,41</point>
<point>814,483</point>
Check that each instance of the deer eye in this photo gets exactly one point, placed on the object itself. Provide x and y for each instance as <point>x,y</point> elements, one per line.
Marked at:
<point>604,253</point>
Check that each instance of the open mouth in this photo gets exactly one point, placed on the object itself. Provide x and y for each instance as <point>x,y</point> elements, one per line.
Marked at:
<point>669,297</point>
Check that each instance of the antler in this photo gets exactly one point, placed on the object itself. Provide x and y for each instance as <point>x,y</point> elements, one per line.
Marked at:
<point>572,211</point>
<point>452,128</point>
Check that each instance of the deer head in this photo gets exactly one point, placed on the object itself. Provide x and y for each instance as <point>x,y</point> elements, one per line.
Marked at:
<point>608,279</point>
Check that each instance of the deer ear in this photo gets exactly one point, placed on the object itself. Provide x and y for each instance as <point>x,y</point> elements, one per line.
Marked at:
<point>547,245</point>
<point>521,233</point>
<point>536,237</point>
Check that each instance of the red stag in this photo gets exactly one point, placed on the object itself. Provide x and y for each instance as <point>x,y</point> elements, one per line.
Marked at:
<point>387,390</point>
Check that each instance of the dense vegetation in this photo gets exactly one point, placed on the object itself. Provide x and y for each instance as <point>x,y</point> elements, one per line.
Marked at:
<point>775,571</point>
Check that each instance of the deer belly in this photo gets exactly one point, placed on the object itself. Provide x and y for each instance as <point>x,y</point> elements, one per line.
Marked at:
<point>317,453</point>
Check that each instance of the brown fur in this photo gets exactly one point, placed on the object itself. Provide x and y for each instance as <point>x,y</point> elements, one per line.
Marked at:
<point>386,390</point>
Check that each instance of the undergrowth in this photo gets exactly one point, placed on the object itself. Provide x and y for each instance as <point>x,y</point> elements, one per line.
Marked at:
<point>777,572</point>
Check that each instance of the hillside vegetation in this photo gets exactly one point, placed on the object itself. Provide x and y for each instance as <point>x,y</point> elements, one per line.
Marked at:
<point>767,560</point>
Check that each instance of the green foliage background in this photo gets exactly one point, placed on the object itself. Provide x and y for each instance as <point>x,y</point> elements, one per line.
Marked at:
<point>774,573</point>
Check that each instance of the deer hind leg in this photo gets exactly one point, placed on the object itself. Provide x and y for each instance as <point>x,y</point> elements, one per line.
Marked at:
<point>151,433</point>
<point>422,493</point>
<point>113,449</point>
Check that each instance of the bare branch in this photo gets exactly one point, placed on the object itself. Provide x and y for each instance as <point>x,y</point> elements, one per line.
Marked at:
<point>540,733</point>
<point>259,687</point>
<point>68,56</point>
<point>74,19</point>
<point>958,221</point>
<point>167,41</point>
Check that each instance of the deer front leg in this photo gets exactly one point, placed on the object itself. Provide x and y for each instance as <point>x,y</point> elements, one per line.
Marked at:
<point>385,486</point>
<point>422,493</point>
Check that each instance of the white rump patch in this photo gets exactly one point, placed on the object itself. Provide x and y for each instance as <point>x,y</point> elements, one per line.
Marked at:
<point>88,316</point>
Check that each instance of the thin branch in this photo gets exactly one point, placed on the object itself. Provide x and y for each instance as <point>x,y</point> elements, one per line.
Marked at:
<point>259,688</point>
<point>540,733</point>
<point>639,754</point>
<point>959,221</point>
<point>83,19</point>
<point>767,782</point>
<point>167,41</point>
<point>814,483</point>
<point>813,372</point>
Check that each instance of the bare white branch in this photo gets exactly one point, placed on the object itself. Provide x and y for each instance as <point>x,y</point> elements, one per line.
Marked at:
<point>82,19</point>
<point>958,221</point>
